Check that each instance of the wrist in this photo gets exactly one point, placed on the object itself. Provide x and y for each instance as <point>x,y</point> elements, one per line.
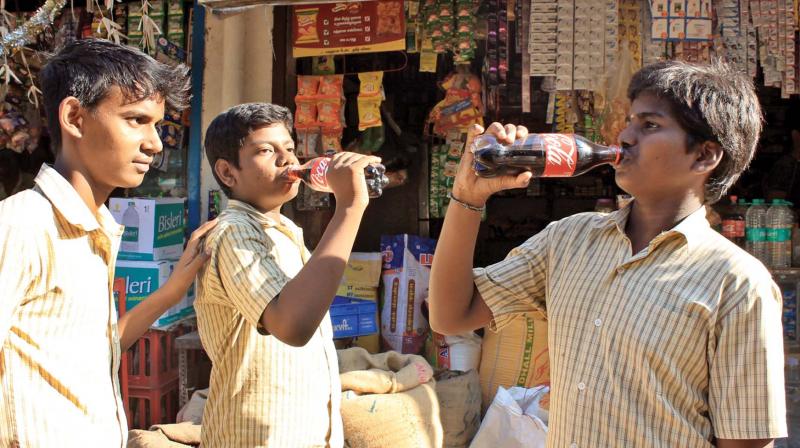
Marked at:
<point>473,200</point>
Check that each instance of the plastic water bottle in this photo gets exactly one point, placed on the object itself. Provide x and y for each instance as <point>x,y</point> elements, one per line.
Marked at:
<point>756,230</point>
<point>130,236</point>
<point>780,220</point>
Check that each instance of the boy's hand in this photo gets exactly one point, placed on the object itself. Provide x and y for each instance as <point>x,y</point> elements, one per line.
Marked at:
<point>474,190</point>
<point>346,178</point>
<point>193,258</point>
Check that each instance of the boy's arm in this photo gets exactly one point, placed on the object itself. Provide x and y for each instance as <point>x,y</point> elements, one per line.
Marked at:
<point>295,314</point>
<point>455,304</point>
<point>135,322</point>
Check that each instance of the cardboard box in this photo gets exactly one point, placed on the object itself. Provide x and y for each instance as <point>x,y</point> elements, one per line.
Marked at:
<point>142,278</point>
<point>154,228</point>
<point>361,279</point>
<point>362,276</point>
<point>407,263</point>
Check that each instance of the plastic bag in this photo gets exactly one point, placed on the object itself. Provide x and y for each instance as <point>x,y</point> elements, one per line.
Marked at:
<point>514,420</point>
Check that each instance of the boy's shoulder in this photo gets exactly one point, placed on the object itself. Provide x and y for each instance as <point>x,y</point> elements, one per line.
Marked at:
<point>27,210</point>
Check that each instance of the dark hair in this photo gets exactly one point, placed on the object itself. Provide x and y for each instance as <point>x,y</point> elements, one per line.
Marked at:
<point>87,69</point>
<point>711,102</point>
<point>226,134</point>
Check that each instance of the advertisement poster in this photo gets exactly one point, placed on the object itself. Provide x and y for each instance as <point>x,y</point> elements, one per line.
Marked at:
<point>339,28</point>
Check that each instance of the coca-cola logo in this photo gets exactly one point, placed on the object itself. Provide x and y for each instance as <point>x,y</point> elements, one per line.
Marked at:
<point>318,172</point>
<point>560,149</point>
<point>561,154</point>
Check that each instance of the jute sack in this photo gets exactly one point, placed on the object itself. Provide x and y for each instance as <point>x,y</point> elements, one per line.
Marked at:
<point>388,400</point>
<point>460,406</point>
<point>515,356</point>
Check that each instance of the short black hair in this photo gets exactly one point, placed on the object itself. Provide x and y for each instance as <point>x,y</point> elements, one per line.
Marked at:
<point>226,134</point>
<point>711,102</point>
<point>89,68</point>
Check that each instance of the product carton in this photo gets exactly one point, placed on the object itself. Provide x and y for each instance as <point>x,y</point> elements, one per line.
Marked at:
<point>154,228</point>
<point>142,278</point>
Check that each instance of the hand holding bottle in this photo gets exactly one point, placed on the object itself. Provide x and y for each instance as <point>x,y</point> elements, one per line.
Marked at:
<point>476,190</point>
<point>346,178</point>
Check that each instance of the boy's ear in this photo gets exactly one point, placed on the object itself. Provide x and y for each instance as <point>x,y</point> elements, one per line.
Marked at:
<point>225,172</point>
<point>70,116</point>
<point>708,156</point>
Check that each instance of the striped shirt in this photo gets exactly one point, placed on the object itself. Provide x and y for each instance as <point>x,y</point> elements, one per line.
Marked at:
<point>60,354</point>
<point>262,392</point>
<point>673,346</point>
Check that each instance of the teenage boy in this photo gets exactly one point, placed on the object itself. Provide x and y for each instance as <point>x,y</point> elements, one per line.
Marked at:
<point>662,333</point>
<point>61,341</point>
<point>262,306</point>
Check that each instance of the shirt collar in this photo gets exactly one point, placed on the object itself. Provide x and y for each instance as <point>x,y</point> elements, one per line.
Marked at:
<point>69,204</point>
<point>691,228</point>
<point>249,210</point>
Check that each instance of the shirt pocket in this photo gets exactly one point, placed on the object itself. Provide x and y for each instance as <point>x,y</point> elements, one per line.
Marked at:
<point>663,333</point>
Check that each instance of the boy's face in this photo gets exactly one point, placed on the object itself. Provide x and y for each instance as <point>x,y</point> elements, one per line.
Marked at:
<point>118,140</point>
<point>263,159</point>
<point>655,163</point>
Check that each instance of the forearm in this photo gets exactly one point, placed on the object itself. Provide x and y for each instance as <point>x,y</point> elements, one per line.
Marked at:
<point>303,302</point>
<point>451,283</point>
<point>135,322</point>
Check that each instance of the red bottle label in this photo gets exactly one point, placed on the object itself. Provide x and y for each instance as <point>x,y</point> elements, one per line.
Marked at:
<point>561,155</point>
<point>319,168</point>
<point>733,228</point>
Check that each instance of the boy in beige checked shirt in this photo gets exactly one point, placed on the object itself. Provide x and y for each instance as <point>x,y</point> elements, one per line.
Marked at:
<point>61,342</point>
<point>662,333</point>
<point>262,306</point>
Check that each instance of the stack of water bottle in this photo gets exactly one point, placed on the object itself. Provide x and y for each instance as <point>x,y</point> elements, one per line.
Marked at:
<point>768,230</point>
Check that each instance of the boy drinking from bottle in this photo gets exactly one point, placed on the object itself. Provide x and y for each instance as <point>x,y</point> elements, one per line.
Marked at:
<point>263,299</point>
<point>661,331</point>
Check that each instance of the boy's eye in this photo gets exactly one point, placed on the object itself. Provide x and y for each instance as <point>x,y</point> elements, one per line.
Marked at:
<point>650,125</point>
<point>291,150</point>
<point>266,149</point>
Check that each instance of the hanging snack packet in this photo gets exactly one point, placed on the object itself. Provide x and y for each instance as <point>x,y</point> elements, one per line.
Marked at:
<point>329,112</point>
<point>369,112</point>
<point>331,86</point>
<point>307,86</point>
<point>371,83</point>
<point>331,140</point>
<point>306,113</point>
<point>307,143</point>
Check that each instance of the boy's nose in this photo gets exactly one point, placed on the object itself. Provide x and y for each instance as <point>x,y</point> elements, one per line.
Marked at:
<point>626,137</point>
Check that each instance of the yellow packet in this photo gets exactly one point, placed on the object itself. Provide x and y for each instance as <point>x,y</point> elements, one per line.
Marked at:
<point>369,112</point>
<point>370,83</point>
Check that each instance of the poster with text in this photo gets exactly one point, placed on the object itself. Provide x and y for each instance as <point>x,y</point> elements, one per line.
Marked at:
<point>344,28</point>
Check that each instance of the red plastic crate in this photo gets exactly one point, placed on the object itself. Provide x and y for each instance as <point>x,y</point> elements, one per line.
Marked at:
<point>152,361</point>
<point>149,406</point>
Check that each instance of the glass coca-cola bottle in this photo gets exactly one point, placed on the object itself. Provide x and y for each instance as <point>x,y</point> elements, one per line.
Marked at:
<point>314,174</point>
<point>545,155</point>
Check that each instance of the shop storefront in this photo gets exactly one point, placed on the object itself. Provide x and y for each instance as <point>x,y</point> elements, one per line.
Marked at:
<point>404,80</point>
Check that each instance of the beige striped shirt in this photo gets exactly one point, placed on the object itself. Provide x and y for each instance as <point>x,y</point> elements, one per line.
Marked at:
<point>673,346</point>
<point>262,392</point>
<point>60,353</point>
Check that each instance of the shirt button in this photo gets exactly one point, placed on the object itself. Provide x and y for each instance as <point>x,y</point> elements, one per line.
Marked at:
<point>573,445</point>
<point>598,322</point>
<point>620,270</point>
<point>581,386</point>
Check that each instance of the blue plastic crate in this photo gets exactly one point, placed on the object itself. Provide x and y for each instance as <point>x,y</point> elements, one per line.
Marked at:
<point>353,317</point>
